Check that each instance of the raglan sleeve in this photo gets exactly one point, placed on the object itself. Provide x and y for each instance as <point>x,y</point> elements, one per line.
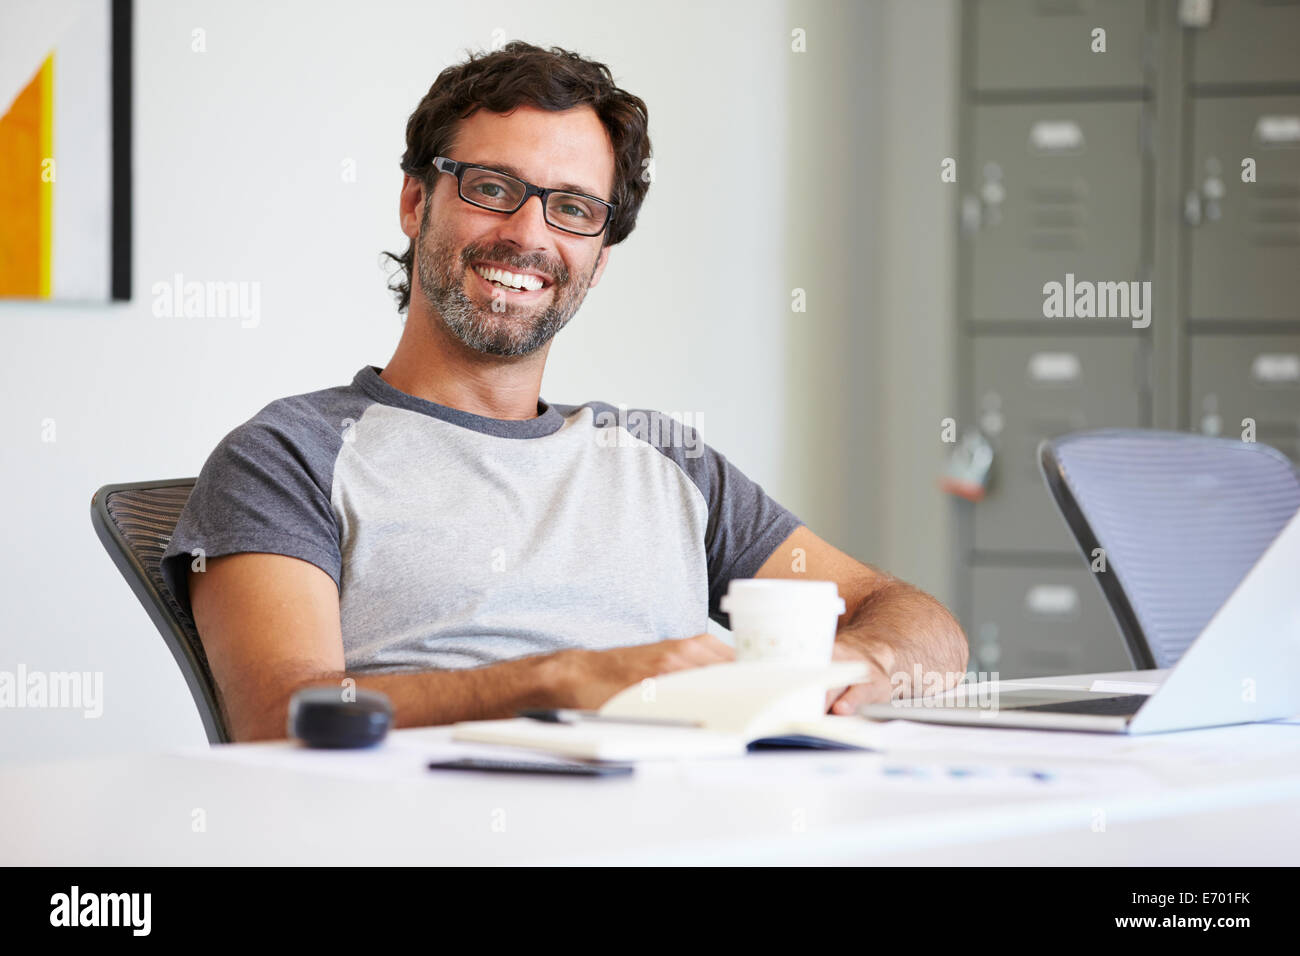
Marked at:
<point>745,526</point>
<point>264,488</point>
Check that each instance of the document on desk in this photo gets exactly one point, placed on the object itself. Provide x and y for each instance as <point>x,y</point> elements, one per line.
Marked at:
<point>402,755</point>
<point>601,741</point>
<point>954,775</point>
<point>898,742</point>
<point>1209,747</point>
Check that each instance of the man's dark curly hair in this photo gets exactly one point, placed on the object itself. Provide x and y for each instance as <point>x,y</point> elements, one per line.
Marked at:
<point>520,73</point>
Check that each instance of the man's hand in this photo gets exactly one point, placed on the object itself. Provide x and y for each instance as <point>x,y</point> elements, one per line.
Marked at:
<point>586,679</point>
<point>875,690</point>
<point>897,628</point>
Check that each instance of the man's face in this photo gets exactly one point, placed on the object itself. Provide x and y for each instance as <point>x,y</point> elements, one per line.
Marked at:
<point>543,147</point>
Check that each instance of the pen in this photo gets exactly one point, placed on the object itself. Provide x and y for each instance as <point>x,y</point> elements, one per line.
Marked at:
<point>563,716</point>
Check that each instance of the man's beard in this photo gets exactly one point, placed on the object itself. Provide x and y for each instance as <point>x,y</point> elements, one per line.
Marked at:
<point>516,329</point>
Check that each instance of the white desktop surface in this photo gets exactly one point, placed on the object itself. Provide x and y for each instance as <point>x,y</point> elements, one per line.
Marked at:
<point>1218,796</point>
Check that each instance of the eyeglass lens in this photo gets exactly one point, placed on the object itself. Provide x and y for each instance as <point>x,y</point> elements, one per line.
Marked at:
<point>565,210</point>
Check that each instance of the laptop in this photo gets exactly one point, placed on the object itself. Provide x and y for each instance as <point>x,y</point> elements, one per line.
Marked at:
<point>1243,667</point>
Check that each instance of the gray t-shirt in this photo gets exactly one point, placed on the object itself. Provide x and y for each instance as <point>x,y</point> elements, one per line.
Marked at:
<point>457,540</point>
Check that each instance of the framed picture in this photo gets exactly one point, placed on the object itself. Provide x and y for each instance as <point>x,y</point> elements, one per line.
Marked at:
<point>65,148</point>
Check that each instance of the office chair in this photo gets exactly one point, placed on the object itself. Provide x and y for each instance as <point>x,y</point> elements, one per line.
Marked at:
<point>1181,519</point>
<point>135,522</point>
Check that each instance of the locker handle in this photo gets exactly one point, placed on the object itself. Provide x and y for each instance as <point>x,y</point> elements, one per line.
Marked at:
<point>1054,367</point>
<point>1278,130</point>
<point>1196,14</point>
<point>1052,600</point>
<point>1056,136</point>
<point>1273,368</point>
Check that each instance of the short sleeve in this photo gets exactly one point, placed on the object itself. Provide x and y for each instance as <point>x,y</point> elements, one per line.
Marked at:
<point>264,488</point>
<point>745,526</point>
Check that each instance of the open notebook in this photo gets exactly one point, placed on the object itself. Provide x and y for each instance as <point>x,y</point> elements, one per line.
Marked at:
<point>735,704</point>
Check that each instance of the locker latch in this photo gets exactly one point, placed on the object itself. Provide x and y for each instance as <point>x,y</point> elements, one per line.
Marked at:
<point>967,473</point>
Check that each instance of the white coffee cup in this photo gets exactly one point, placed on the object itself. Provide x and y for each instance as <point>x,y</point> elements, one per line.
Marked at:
<point>784,621</point>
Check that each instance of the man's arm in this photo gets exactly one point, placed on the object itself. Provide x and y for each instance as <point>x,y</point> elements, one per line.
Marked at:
<point>270,625</point>
<point>887,622</point>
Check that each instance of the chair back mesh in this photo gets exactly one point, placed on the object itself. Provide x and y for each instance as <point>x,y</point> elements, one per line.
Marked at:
<point>1181,517</point>
<point>135,523</point>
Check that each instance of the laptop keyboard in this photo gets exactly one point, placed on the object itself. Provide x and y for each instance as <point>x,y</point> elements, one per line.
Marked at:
<point>1124,706</point>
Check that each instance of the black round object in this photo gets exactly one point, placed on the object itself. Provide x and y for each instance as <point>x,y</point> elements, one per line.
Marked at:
<point>322,717</point>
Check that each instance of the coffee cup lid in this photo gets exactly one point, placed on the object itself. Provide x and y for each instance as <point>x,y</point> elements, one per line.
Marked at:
<point>781,594</point>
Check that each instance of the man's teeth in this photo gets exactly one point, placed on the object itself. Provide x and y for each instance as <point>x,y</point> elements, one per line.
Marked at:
<point>514,281</point>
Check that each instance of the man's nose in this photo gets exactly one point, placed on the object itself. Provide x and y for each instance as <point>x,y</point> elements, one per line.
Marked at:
<point>527,226</point>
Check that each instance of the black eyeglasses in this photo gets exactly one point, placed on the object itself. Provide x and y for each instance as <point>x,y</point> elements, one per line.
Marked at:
<point>488,188</point>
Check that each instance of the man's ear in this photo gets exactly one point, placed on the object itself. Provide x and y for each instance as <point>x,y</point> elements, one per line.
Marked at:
<point>599,271</point>
<point>410,205</point>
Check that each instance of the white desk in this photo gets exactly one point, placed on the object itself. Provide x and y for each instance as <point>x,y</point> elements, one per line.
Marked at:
<point>1221,796</point>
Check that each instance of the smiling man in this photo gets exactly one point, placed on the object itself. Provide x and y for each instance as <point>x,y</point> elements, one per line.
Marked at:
<point>437,531</point>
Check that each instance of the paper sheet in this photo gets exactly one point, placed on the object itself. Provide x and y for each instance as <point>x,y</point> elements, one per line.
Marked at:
<point>403,755</point>
<point>924,774</point>
<point>1214,746</point>
<point>1081,760</point>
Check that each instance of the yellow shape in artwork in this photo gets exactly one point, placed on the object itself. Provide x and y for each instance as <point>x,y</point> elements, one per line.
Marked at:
<point>27,188</point>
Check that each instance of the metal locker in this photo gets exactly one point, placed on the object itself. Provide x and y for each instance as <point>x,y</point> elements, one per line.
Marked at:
<point>1048,44</point>
<point>1040,622</point>
<point>1028,388</point>
<point>1057,192</point>
<point>1246,41</point>
<point>1244,237</point>
<point>1254,377</point>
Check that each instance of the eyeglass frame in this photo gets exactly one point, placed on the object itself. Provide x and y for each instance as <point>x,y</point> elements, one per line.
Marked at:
<point>444,164</point>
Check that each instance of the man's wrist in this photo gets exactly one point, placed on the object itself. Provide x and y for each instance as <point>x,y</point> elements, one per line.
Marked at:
<point>879,653</point>
<point>552,677</point>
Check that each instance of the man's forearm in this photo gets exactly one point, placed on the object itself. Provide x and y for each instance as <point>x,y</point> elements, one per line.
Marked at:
<point>421,698</point>
<point>909,636</point>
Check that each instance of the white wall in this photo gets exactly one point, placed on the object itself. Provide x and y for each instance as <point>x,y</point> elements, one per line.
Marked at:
<point>916,291</point>
<point>834,355</point>
<point>873,112</point>
<point>238,152</point>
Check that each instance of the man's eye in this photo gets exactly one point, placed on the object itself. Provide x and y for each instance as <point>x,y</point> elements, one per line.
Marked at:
<point>571,209</point>
<point>483,188</point>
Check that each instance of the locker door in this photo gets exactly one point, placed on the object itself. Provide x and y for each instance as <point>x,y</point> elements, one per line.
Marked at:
<point>1048,44</point>
<point>1244,238</point>
<point>1248,41</point>
<point>1058,190</point>
<point>1028,388</point>
<point>1042,622</point>
<point>1248,376</point>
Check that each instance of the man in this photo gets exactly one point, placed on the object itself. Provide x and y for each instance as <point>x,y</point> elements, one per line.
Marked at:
<point>436,530</point>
